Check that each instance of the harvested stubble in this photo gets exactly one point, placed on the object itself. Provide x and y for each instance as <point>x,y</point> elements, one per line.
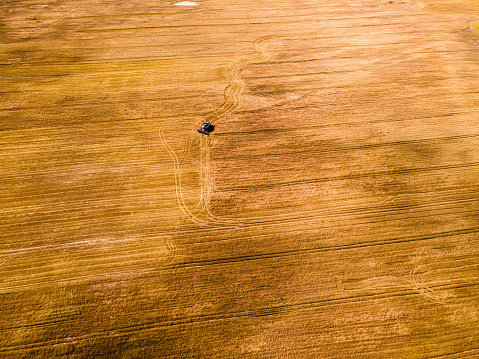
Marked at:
<point>333,213</point>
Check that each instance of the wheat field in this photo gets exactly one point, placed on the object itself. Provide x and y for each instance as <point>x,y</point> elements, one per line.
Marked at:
<point>332,213</point>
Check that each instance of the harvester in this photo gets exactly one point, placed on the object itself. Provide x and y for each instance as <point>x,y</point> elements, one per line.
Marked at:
<point>206,128</point>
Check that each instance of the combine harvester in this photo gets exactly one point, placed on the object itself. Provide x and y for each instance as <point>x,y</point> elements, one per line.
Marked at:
<point>206,128</point>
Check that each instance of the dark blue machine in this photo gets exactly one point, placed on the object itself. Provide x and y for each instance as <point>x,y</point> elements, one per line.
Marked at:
<point>206,128</point>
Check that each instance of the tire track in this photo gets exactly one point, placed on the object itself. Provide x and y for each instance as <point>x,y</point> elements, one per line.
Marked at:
<point>131,256</point>
<point>448,198</point>
<point>388,212</point>
<point>177,164</point>
<point>473,353</point>
<point>214,317</point>
<point>426,290</point>
<point>222,43</point>
<point>391,205</point>
<point>314,21</point>
<point>351,176</point>
<point>230,103</point>
<point>348,123</point>
<point>167,250</point>
<point>295,252</point>
<point>365,146</point>
<point>423,289</point>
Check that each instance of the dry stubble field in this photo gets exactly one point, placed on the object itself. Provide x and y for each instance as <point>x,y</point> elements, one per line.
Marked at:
<point>333,213</point>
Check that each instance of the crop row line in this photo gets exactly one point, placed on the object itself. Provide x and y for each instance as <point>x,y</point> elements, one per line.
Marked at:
<point>295,252</point>
<point>302,216</point>
<point>323,47</point>
<point>356,147</point>
<point>255,313</point>
<point>381,22</point>
<point>349,176</point>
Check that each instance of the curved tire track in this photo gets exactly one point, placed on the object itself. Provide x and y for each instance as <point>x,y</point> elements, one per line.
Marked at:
<point>230,103</point>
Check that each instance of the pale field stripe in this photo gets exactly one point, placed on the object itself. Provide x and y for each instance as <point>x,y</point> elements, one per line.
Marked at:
<point>377,220</point>
<point>312,252</point>
<point>91,242</point>
<point>349,214</point>
<point>323,22</point>
<point>324,41</point>
<point>87,260</point>
<point>468,139</point>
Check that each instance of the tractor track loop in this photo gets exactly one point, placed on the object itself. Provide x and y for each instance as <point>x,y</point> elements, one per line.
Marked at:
<point>427,290</point>
<point>423,289</point>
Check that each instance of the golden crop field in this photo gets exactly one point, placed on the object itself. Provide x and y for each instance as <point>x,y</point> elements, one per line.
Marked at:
<point>332,213</point>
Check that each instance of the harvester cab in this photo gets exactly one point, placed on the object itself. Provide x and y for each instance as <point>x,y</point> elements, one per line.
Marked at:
<point>206,128</point>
